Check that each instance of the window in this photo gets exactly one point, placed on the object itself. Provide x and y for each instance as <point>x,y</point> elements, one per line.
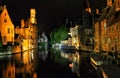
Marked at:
<point>9,30</point>
<point>5,20</point>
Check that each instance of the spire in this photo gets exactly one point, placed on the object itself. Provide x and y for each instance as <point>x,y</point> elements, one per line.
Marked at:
<point>87,6</point>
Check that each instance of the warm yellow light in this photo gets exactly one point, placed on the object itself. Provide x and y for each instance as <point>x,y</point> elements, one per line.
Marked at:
<point>71,65</point>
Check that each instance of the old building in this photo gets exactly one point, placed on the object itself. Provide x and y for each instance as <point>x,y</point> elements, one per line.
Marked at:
<point>113,29</point>
<point>74,36</point>
<point>26,33</point>
<point>87,38</point>
<point>6,27</point>
<point>107,28</point>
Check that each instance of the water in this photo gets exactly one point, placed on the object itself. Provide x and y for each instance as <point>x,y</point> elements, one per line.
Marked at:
<point>42,64</point>
<point>20,65</point>
<point>54,66</point>
<point>33,64</point>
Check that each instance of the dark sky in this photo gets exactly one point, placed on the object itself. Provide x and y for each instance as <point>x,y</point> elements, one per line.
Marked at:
<point>50,13</point>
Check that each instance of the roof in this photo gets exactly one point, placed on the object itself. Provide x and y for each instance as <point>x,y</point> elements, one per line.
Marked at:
<point>107,12</point>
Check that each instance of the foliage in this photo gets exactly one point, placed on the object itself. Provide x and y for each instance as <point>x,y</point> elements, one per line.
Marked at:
<point>59,34</point>
<point>0,43</point>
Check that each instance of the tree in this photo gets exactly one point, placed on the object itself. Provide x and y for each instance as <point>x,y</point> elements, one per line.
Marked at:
<point>59,34</point>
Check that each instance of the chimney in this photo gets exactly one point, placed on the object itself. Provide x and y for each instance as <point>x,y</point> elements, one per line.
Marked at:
<point>22,23</point>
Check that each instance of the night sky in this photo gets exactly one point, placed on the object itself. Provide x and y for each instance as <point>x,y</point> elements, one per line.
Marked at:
<point>50,13</point>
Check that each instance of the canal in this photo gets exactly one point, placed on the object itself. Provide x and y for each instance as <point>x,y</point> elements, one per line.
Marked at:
<point>42,64</point>
<point>19,65</point>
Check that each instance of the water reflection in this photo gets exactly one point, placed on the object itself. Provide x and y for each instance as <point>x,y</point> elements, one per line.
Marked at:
<point>53,65</point>
<point>74,59</point>
<point>21,65</point>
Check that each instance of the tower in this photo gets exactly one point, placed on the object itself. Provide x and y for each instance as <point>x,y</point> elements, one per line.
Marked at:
<point>33,16</point>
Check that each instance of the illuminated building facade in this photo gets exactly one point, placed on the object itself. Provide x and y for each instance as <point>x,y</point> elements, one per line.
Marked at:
<point>27,32</point>
<point>74,36</point>
<point>107,29</point>
<point>6,27</point>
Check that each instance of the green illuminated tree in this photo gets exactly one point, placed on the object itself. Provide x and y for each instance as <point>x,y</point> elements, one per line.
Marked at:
<point>59,34</point>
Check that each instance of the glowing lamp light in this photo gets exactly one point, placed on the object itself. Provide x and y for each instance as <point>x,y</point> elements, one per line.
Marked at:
<point>71,65</point>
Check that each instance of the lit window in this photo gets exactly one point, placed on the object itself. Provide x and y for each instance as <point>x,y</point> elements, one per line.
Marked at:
<point>8,30</point>
<point>5,20</point>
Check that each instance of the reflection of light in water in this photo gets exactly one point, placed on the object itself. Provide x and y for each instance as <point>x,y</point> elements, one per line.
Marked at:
<point>43,54</point>
<point>25,57</point>
<point>34,75</point>
<point>65,55</point>
<point>16,65</point>
<point>24,48</point>
<point>7,68</point>
<point>71,65</point>
<point>32,55</point>
<point>5,56</point>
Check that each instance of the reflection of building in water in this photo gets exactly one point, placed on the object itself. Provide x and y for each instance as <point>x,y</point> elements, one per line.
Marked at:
<point>20,65</point>
<point>45,39</point>
<point>7,70</point>
<point>74,59</point>
<point>27,64</point>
